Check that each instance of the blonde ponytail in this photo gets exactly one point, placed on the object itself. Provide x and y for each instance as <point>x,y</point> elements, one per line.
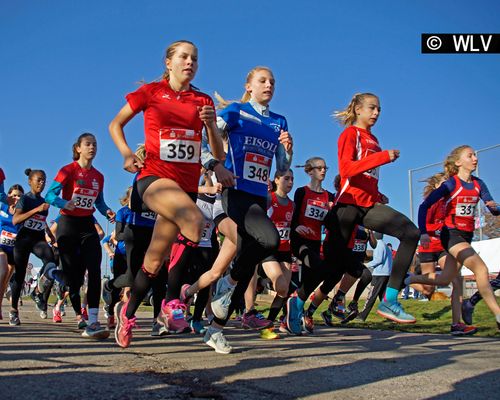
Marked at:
<point>347,117</point>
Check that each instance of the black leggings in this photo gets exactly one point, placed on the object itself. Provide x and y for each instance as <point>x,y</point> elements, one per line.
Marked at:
<point>119,269</point>
<point>80,251</point>
<point>202,261</point>
<point>257,238</point>
<point>308,252</point>
<point>25,245</point>
<point>343,218</point>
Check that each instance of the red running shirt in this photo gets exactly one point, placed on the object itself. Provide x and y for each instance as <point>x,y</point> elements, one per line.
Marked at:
<point>313,209</point>
<point>282,218</point>
<point>359,156</point>
<point>461,206</point>
<point>434,223</point>
<point>80,185</point>
<point>172,129</point>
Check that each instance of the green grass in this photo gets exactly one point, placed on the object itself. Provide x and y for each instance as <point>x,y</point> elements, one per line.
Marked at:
<point>432,317</point>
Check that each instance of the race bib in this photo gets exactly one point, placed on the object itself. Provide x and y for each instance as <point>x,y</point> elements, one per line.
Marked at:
<point>206,233</point>
<point>256,168</point>
<point>84,199</point>
<point>316,209</point>
<point>149,215</point>
<point>359,246</point>
<point>8,238</point>
<point>465,209</point>
<point>36,222</point>
<point>283,230</point>
<point>180,145</point>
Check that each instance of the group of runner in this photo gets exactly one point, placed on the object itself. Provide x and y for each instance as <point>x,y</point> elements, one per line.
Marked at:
<point>166,234</point>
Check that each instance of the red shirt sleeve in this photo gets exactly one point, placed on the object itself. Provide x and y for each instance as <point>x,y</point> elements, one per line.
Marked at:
<point>64,175</point>
<point>348,164</point>
<point>139,99</point>
<point>2,176</point>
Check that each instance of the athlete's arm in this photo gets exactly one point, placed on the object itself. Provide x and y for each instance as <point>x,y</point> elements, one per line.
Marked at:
<point>20,216</point>
<point>131,162</point>
<point>378,255</point>
<point>488,199</point>
<point>444,190</point>
<point>284,152</point>
<point>52,196</point>
<point>349,165</point>
<point>103,208</point>
<point>208,116</point>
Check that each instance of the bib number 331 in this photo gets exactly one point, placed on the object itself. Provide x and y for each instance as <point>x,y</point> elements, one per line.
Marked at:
<point>180,145</point>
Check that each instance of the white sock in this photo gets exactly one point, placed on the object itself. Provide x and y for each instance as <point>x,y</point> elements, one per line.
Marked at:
<point>93,315</point>
<point>498,318</point>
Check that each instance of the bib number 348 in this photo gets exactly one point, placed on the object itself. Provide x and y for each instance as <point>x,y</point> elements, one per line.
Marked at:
<point>256,168</point>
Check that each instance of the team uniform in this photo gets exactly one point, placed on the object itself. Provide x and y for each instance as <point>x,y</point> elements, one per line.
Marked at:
<point>31,239</point>
<point>358,203</point>
<point>8,233</point>
<point>434,224</point>
<point>77,238</point>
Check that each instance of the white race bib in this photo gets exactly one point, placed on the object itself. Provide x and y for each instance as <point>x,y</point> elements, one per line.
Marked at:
<point>359,246</point>
<point>465,209</point>
<point>256,168</point>
<point>84,199</point>
<point>284,231</point>
<point>316,210</point>
<point>7,238</point>
<point>180,145</point>
<point>36,222</point>
<point>149,215</point>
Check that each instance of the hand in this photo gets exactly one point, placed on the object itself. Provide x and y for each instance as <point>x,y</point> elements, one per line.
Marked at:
<point>132,163</point>
<point>491,204</point>
<point>304,230</point>
<point>43,207</point>
<point>207,114</point>
<point>70,206</point>
<point>286,140</point>
<point>111,216</point>
<point>393,154</point>
<point>425,240</point>
<point>111,256</point>
<point>383,199</point>
<point>224,176</point>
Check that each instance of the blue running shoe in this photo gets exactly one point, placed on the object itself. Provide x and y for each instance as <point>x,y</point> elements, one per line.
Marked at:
<point>197,327</point>
<point>294,316</point>
<point>467,311</point>
<point>395,312</point>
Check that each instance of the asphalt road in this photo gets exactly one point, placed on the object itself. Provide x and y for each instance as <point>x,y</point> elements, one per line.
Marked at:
<point>42,360</point>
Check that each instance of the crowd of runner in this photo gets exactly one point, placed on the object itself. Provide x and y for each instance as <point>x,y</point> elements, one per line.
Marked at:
<point>204,226</point>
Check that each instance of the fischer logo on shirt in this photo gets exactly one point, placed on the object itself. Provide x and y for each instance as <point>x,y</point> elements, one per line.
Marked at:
<point>277,127</point>
<point>166,96</point>
<point>258,142</point>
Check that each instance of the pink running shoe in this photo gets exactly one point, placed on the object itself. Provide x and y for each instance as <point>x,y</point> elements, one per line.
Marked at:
<point>252,321</point>
<point>172,316</point>
<point>85,314</point>
<point>184,298</point>
<point>124,325</point>
<point>56,316</point>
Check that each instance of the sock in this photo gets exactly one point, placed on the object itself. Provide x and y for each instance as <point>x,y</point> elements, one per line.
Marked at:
<point>476,298</point>
<point>93,315</point>
<point>310,311</point>
<point>339,296</point>
<point>140,288</point>
<point>391,295</point>
<point>275,308</point>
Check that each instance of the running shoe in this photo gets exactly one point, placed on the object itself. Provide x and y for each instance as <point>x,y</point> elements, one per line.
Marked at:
<point>327,317</point>
<point>294,316</point>
<point>238,318</point>
<point>217,341</point>
<point>107,293</point>
<point>251,321</point>
<point>337,309</point>
<point>38,299</point>
<point>222,299</point>
<point>352,312</point>
<point>283,327</point>
<point>96,331</point>
<point>56,316</point>
<point>467,311</point>
<point>197,327</point>
<point>43,314</point>
<point>124,325</point>
<point>461,329</point>
<point>85,314</point>
<point>110,323</point>
<point>172,316</point>
<point>307,324</point>
<point>81,323</point>
<point>14,318</point>
<point>395,312</point>
<point>184,298</point>
<point>269,334</point>
<point>105,308</point>
<point>158,330</point>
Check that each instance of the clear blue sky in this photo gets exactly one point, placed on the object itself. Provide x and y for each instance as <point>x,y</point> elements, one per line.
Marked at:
<point>66,67</point>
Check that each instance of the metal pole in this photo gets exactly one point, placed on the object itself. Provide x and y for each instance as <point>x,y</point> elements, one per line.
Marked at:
<point>479,213</point>
<point>410,185</point>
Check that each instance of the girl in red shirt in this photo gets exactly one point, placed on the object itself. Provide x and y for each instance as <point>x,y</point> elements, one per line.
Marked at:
<point>359,201</point>
<point>175,114</point>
